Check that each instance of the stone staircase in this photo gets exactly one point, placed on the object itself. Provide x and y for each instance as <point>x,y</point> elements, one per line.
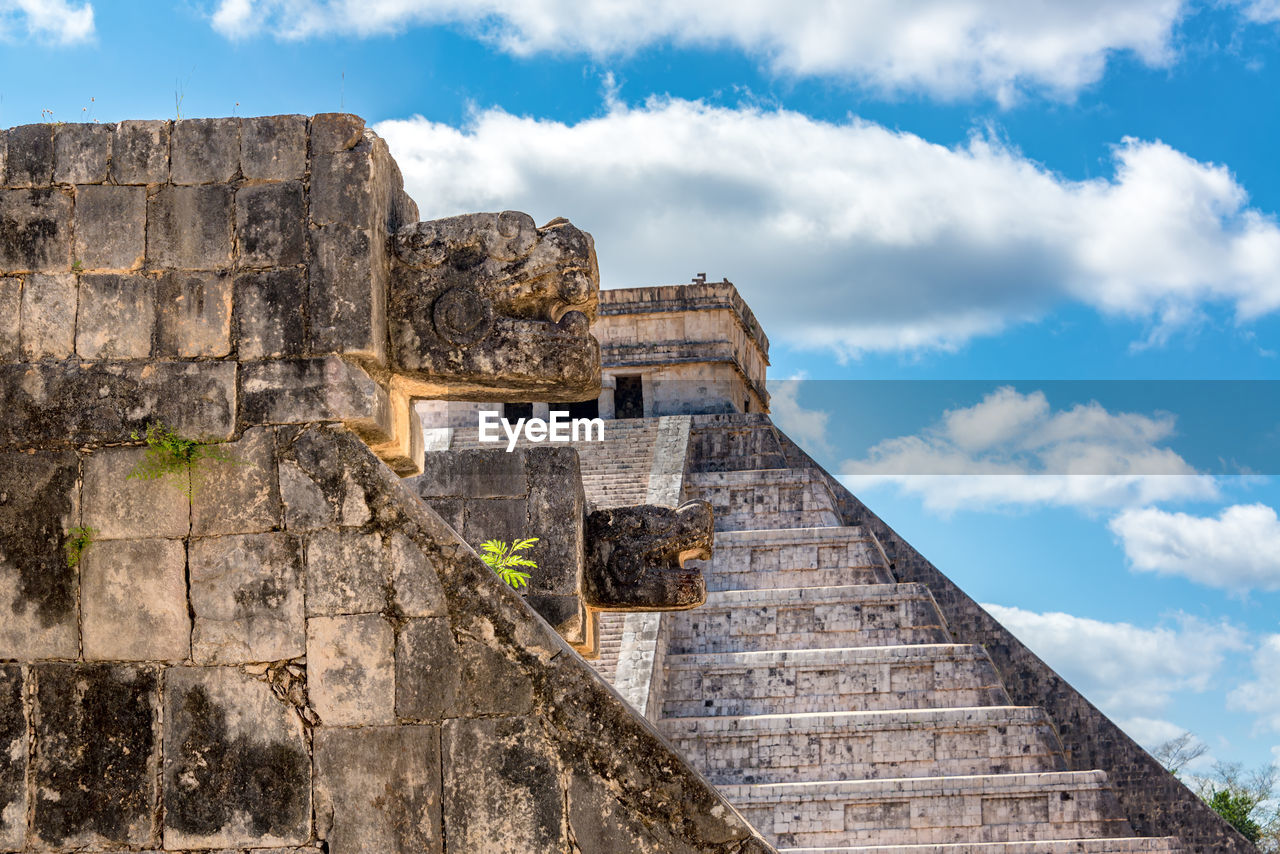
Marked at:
<point>831,706</point>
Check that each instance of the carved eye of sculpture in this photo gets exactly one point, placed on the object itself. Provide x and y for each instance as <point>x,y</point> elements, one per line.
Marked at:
<point>462,316</point>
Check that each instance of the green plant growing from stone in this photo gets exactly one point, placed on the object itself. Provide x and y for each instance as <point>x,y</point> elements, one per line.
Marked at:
<point>503,559</point>
<point>78,541</point>
<point>169,453</point>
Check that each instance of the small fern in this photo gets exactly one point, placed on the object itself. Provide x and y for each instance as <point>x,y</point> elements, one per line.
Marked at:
<point>78,541</point>
<point>504,560</point>
<point>170,453</point>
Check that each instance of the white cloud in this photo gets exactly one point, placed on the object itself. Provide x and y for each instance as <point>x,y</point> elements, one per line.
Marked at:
<point>1130,672</point>
<point>1260,11</point>
<point>808,427</point>
<point>853,237</point>
<point>948,48</point>
<point>1262,695</point>
<point>46,20</point>
<point>1237,550</point>
<point>1014,449</point>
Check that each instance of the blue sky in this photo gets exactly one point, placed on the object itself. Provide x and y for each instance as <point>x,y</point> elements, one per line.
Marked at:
<point>1033,197</point>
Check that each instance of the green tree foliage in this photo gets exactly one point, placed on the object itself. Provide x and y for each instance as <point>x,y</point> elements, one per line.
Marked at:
<point>503,559</point>
<point>1236,807</point>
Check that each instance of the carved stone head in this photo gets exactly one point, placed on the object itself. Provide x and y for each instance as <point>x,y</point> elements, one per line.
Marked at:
<point>488,306</point>
<point>636,555</point>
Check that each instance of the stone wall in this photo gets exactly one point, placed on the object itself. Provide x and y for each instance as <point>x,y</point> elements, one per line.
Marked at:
<point>279,646</point>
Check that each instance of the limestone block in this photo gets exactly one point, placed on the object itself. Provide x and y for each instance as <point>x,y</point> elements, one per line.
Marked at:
<point>117,316</point>
<point>140,152</point>
<point>269,313</point>
<point>236,765</point>
<point>247,595</point>
<point>30,156</point>
<point>239,495</point>
<point>134,601</point>
<point>488,804</point>
<point>111,227</point>
<point>189,228</point>
<point>318,490</point>
<point>13,759</point>
<point>413,577</point>
<point>205,151</point>
<point>82,153</point>
<point>48,316</point>
<point>61,402</point>
<point>119,507</point>
<point>345,573</point>
<point>35,231</point>
<point>193,314</point>
<point>497,518</point>
<point>428,670</point>
<point>4,156</point>
<point>355,771</point>
<point>342,191</point>
<point>273,148</point>
<point>96,758</point>
<point>306,390</point>
<point>10,303</point>
<point>493,682</point>
<point>332,132</point>
<point>351,669</point>
<point>270,222</point>
<point>472,474</point>
<point>348,292</point>
<point>555,512</point>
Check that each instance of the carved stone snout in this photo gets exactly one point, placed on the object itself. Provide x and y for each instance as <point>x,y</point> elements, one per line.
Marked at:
<point>636,557</point>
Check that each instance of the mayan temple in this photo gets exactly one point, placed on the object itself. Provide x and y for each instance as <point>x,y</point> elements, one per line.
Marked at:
<point>242,491</point>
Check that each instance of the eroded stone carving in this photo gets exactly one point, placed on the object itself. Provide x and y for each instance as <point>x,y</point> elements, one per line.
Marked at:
<point>636,556</point>
<point>489,305</point>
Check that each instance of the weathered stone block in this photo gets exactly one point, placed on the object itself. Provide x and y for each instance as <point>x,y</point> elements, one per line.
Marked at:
<point>30,156</point>
<point>236,766</point>
<point>205,151</point>
<point>134,601</point>
<point>273,148</point>
<point>96,756</point>
<point>193,315</point>
<point>345,573</point>
<point>13,759</point>
<point>501,787</point>
<point>318,489</point>
<point>239,495</point>
<point>348,292</point>
<point>140,152</point>
<point>119,507</point>
<point>37,589</point>
<point>356,769</point>
<point>342,191</point>
<point>351,669</point>
<point>556,509</point>
<point>4,155</point>
<point>270,222</point>
<point>189,228</point>
<point>428,670</point>
<point>493,683</point>
<point>332,132</point>
<point>10,306</point>
<point>73,402</point>
<point>111,227</point>
<point>413,577</point>
<point>306,390</point>
<point>48,316</point>
<point>35,231</point>
<point>82,153</point>
<point>117,316</point>
<point>269,314</point>
<point>473,474</point>
<point>496,518</point>
<point>247,594</point>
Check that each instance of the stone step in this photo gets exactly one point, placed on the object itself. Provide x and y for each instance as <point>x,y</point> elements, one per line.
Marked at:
<point>935,810</point>
<point>868,745</point>
<point>862,679</point>
<point>766,498</point>
<point>795,557</point>
<point>1123,845</point>
<point>809,618</point>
